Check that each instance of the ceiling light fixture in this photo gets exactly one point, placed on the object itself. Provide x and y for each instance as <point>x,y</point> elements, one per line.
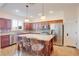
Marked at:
<point>27,18</point>
<point>43,17</point>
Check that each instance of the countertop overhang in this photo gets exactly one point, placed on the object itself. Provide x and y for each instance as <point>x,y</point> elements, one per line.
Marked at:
<point>38,36</point>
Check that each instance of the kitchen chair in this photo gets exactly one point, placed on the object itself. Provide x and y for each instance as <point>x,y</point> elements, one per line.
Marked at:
<point>26,44</point>
<point>19,43</point>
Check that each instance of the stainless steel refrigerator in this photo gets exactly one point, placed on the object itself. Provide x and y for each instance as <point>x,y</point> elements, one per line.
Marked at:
<point>57,29</point>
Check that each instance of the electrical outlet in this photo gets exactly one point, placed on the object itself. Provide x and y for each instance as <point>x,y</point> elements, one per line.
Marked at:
<point>67,34</point>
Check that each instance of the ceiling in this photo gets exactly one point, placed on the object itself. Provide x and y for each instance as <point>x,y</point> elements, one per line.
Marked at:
<point>35,9</point>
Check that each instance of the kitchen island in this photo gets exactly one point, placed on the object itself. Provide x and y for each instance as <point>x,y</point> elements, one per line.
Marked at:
<point>47,40</point>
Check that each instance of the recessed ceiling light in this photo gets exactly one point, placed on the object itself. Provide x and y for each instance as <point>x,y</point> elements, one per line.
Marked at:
<point>51,12</point>
<point>16,10</point>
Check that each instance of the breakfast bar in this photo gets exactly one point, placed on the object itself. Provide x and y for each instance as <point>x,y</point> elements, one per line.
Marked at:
<point>46,42</point>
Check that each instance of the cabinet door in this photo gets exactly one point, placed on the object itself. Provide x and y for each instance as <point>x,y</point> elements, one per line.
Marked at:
<point>8,24</point>
<point>0,41</point>
<point>5,41</point>
<point>5,23</point>
<point>2,24</point>
<point>28,26</point>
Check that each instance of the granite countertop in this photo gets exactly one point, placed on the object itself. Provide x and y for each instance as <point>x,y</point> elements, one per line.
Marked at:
<point>11,32</point>
<point>20,32</point>
<point>38,36</point>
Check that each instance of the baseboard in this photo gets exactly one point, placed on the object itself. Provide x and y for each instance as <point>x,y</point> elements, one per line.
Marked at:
<point>12,44</point>
<point>57,45</point>
<point>8,46</point>
<point>71,46</point>
<point>66,46</point>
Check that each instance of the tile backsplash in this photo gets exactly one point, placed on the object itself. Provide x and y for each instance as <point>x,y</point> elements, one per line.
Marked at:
<point>5,30</point>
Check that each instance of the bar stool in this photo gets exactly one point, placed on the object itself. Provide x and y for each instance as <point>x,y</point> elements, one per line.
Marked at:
<point>19,43</point>
<point>26,44</point>
<point>37,47</point>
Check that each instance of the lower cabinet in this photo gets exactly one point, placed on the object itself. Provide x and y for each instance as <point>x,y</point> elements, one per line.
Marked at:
<point>5,39</point>
<point>0,41</point>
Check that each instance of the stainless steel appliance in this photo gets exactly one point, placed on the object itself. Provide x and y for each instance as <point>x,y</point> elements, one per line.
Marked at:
<point>58,30</point>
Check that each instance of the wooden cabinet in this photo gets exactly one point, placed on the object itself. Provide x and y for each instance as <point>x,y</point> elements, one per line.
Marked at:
<point>5,41</point>
<point>0,41</point>
<point>37,26</point>
<point>28,26</point>
<point>8,24</point>
<point>5,23</point>
<point>2,24</point>
<point>44,25</point>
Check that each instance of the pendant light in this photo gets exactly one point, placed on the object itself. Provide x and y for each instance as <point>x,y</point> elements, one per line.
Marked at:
<point>27,17</point>
<point>43,17</point>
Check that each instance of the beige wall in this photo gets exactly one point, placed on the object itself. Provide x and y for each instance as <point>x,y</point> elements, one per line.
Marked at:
<point>55,16</point>
<point>4,14</point>
<point>70,26</point>
<point>78,27</point>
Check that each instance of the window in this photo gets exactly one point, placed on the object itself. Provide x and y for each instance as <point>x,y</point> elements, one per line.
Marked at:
<point>17,24</point>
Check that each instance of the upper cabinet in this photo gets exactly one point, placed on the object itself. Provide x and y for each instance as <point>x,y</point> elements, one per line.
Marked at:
<point>2,23</point>
<point>8,24</point>
<point>44,25</point>
<point>28,26</point>
<point>5,23</point>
